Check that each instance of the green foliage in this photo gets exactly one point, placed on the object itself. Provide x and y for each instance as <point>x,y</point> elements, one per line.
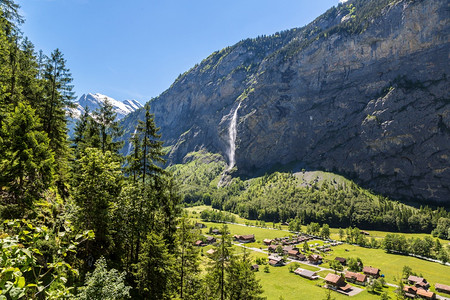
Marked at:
<point>187,256</point>
<point>98,183</point>
<point>27,163</point>
<point>26,271</point>
<point>442,229</point>
<point>355,264</point>
<point>155,272</point>
<point>336,265</point>
<point>103,284</point>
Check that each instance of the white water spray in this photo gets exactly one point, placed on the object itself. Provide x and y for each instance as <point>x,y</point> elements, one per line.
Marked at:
<point>130,144</point>
<point>232,132</point>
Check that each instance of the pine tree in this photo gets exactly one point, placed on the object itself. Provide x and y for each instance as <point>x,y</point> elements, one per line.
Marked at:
<point>215,281</point>
<point>188,269</point>
<point>241,280</point>
<point>155,271</point>
<point>27,163</point>
<point>97,185</point>
<point>152,150</point>
<point>57,96</point>
<point>109,128</point>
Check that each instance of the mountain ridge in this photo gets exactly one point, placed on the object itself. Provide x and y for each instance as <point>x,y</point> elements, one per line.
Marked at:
<point>361,91</point>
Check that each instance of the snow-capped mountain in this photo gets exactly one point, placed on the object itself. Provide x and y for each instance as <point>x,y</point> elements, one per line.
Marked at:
<point>93,101</point>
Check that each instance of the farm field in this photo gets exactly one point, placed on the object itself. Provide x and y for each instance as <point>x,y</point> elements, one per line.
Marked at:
<point>280,282</point>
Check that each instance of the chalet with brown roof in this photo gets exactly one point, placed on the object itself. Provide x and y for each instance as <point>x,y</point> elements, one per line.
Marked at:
<point>426,294</point>
<point>215,231</point>
<point>301,257</point>
<point>371,271</point>
<point>210,239</point>
<point>315,259</point>
<point>248,238</point>
<point>410,291</point>
<point>199,243</point>
<point>254,268</point>
<point>267,242</point>
<point>356,278</point>
<point>342,260</point>
<point>272,248</point>
<point>275,261</point>
<point>293,253</point>
<point>419,282</point>
<point>442,288</point>
<point>336,282</point>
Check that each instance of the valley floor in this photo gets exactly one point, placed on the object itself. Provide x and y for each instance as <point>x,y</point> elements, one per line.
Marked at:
<point>280,282</point>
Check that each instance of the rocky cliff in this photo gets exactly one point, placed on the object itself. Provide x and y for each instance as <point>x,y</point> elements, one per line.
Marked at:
<point>362,91</point>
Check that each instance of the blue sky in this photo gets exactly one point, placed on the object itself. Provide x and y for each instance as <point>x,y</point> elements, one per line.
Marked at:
<point>135,49</point>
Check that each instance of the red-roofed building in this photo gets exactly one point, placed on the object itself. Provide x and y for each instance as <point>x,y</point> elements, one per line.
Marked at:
<point>426,294</point>
<point>356,278</point>
<point>442,288</point>
<point>372,272</point>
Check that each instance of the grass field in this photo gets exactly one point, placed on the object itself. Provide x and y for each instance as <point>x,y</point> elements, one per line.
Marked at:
<point>280,282</point>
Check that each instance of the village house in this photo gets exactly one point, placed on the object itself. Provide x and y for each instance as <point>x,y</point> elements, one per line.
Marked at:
<point>210,239</point>
<point>293,253</point>
<point>301,257</point>
<point>215,231</point>
<point>426,294</point>
<point>364,232</point>
<point>410,291</point>
<point>315,259</point>
<point>275,261</point>
<point>211,252</point>
<point>272,248</point>
<point>414,292</point>
<point>311,275</point>
<point>337,282</point>
<point>254,268</point>
<point>442,288</point>
<point>372,272</point>
<point>286,249</point>
<point>342,260</point>
<point>249,238</point>
<point>199,243</point>
<point>267,242</point>
<point>418,282</point>
<point>357,278</point>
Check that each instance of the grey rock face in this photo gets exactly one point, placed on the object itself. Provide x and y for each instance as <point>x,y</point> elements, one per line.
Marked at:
<point>373,104</point>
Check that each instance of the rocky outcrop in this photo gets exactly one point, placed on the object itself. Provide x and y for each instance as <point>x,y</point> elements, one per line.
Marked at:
<point>362,91</point>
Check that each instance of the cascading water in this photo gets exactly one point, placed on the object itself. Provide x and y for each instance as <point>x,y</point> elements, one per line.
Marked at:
<point>232,132</point>
<point>130,145</point>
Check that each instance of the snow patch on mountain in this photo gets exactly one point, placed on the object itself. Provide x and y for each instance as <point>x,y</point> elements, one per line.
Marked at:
<point>93,102</point>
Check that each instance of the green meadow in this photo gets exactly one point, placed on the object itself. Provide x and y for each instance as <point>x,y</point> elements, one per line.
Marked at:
<point>279,282</point>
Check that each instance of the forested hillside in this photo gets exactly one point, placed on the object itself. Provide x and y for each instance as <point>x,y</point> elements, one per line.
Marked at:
<point>79,220</point>
<point>305,196</point>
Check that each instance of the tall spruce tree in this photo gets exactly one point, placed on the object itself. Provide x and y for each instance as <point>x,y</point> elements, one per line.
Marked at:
<point>57,97</point>
<point>108,127</point>
<point>27,164</point>
<point>188,260</point>
<point>97,185</point>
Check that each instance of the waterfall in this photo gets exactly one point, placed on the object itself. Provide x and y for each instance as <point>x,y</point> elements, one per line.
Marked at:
<point>232,132</point>
<point>130,145</point>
